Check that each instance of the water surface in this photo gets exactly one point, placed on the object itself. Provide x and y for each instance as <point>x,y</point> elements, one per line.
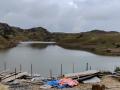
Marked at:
<point>45,57</point>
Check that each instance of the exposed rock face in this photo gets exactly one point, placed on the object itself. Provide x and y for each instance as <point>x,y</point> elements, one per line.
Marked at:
<point>5,30</point>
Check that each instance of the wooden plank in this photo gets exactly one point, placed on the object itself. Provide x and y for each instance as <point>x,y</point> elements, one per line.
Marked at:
<point>4,73</point>
<point>15,77</point>
<point>90,72</point>
<point>80,79</point>
<point>9,75</point>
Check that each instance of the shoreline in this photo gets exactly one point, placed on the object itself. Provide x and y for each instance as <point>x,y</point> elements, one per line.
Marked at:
<point>98,51</point>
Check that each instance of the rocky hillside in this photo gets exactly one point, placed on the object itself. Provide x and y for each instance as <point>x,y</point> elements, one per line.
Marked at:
<point>37,34</point>
<point>96,41</point>
<point>6,33</point>
<point>10,36</point>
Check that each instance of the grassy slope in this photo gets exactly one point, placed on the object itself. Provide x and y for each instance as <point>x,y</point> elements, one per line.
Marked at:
<point>105,43</point>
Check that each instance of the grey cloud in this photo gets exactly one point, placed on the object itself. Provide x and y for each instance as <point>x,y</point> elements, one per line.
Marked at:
<point>62,15</point>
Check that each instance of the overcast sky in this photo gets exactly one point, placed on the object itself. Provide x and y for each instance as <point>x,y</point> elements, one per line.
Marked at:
<point>62,15</point>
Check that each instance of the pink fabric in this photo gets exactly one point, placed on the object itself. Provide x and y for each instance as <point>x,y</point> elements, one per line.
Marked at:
<point>68,81</point>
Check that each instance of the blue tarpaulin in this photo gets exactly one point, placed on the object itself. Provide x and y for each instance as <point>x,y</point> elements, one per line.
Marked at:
<point>55,83</point>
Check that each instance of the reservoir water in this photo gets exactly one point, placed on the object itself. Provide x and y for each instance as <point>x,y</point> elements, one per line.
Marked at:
<point>50,57</point>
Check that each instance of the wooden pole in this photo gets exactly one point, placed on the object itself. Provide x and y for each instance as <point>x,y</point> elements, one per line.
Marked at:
<point>86,66</point>
<point>20,68</point>
<point>61,71</point>
<point>73,68</point>
<point>50,71</point>
<point>15,72</point>
<point>5,66</point>
<point>90,67</point>
<point>31,70</point>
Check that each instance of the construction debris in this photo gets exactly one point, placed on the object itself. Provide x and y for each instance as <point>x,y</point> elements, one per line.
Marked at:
<point>25,80</point>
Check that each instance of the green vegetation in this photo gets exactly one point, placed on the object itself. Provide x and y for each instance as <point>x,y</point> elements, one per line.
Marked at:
<point>98,42</point>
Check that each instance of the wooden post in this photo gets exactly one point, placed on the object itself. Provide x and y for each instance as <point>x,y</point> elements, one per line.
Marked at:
<point>90,67</point>
<point>31,70</point>
<point>20,68</point>
<point>86,66</point>
<point>15,72</point>
<point>50,71</point>
<point>61,71</point>
<point>5,66</point>
<point>73,68</point>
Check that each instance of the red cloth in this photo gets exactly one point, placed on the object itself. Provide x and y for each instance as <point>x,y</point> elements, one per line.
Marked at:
<point>68,81</point>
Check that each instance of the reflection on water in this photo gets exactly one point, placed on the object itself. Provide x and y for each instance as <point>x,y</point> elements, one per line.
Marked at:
<point>39,46</point>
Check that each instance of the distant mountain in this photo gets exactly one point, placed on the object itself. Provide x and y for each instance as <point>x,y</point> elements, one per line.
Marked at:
<point>101,31</point>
